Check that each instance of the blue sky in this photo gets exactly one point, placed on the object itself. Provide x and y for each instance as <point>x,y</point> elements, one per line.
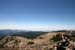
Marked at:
<point>37,14</point>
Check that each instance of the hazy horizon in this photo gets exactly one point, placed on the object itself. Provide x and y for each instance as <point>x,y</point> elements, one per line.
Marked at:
<point>35,28</point>
<point>41,15</point>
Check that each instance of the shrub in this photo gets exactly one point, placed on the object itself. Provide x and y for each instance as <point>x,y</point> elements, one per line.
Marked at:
<point>30,43</point>
<point>56,38</point>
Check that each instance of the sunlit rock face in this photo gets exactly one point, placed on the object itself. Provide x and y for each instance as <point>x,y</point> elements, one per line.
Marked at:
<point>14,41</point>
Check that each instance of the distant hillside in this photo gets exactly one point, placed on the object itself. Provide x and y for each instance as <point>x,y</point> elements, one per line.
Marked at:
<point>61,31</point>
<point>30,35</point>
<point>2,36</point>
<point>22,33</point>
<point>4,33</point>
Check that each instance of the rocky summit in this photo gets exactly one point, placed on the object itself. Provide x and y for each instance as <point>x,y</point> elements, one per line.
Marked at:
<point>55,40</point>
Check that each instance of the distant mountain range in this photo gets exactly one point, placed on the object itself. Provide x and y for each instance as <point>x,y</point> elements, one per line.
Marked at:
<point>24,33</point>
